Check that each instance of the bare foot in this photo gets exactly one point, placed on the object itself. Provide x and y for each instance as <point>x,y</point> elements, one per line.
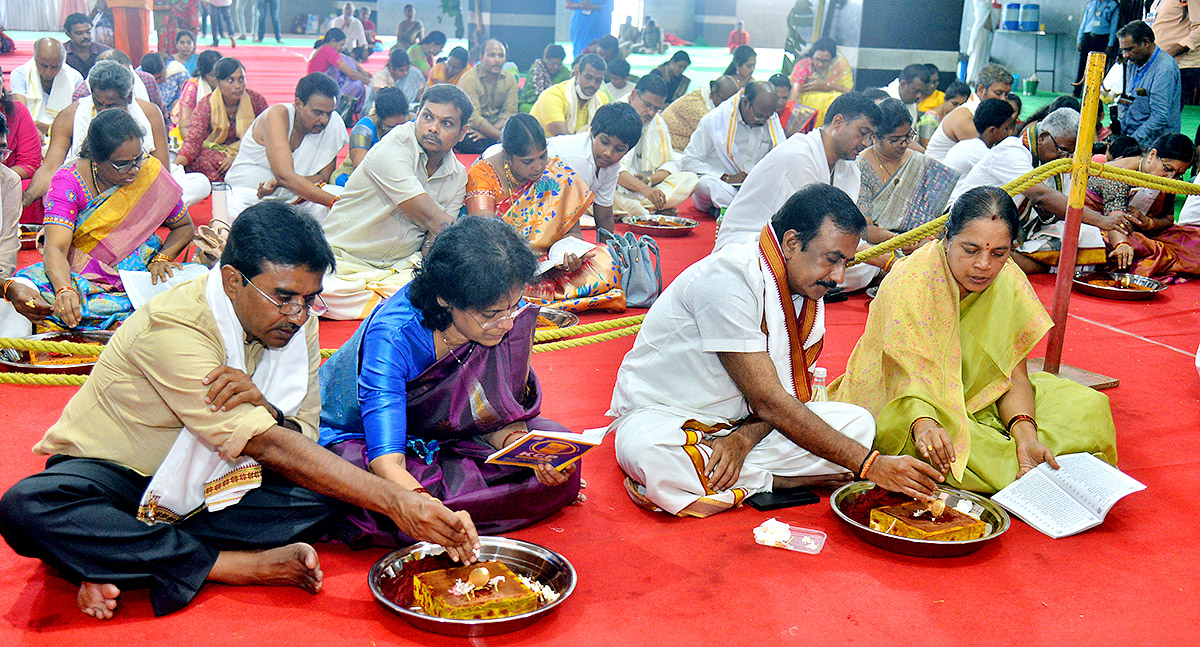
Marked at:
<point>98,600</point>
<point>292,565</point>
<point>821,480</point>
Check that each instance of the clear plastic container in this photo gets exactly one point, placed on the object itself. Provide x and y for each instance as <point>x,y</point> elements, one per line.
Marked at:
<point>801,540</point>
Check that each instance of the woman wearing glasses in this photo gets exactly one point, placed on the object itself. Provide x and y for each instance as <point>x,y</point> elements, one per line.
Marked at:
<point>102,212</point>
<point>1158,247</point>
<point>437,378</point>
<point>901,188</point>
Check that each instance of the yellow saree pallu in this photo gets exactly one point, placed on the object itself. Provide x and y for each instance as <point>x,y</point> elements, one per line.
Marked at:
<point>544,211</point>
<point>926,353</point>
<point>839,74</point>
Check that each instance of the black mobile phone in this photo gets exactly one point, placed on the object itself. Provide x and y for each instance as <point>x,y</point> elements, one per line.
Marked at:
<point>764,501</point>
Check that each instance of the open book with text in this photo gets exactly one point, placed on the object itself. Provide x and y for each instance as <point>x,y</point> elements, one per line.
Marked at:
<point>548,447</point>
<point>1068,500</point>
<point>140,288</point>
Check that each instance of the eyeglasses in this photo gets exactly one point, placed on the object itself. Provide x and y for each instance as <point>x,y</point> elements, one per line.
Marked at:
<point>500,317</point>
<point>1172,172</point>
<point>125,167</point>
<point>1062,152</point>
<point>314,304</point>
<point>896,141</point>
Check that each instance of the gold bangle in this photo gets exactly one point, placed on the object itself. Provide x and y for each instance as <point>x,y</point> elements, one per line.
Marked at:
<point>161,258</point>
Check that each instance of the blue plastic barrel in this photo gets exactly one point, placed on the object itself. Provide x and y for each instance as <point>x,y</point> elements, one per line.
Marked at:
<point>1031,17</point>
<point>1011,16</point>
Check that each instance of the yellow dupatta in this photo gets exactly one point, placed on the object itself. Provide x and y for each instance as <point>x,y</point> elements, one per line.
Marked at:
<point>926,353</point>
<point>219,122</point>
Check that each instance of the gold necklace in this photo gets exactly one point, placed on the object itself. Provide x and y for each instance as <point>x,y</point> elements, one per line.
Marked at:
<point>883,166</point>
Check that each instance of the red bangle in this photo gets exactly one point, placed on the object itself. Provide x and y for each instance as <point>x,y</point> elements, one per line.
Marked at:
<point>66,288</point>
<point>4,290</point>
<point>912,428</point>
<point>1018,418</point>
<point>504,443</point>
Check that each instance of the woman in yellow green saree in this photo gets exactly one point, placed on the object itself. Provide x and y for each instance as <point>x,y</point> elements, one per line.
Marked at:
<point>941,364</point>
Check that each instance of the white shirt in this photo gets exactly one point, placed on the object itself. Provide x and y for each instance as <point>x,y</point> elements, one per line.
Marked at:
<point>1190,214</point>
<point>576,151</point>
<point>710,308</point>
<point>751,144</point>
<point>355,35</point>
<point>790,166</point>
<point>893,90</point>
<point>618,93</point>
<point>1004,163</point>
<point>963,155</point>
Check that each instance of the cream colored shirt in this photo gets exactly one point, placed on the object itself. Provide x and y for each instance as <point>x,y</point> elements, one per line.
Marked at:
<point>366,224</point>
<point>147,386</point>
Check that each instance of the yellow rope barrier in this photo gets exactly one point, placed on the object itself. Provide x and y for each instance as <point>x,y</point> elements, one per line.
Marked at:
<point>582,341</point>
<point>61,347</point>
<point>43,379</point>
<point>572,331</point>
<point>1137,178</point>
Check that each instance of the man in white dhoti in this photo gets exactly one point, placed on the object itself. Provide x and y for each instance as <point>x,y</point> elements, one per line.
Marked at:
<point>740,332</point>
<point>729,141</point>
<point>290,151</point>
<point>826,156</point>
<point>112,87</point>
<point>650,178</point>
<point>1043,207</point>
<point>993,82</point>
<point>408,188</point>
<point>44,84</point>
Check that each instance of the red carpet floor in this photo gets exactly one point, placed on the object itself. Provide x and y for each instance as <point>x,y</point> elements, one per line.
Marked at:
<point>647,579</point>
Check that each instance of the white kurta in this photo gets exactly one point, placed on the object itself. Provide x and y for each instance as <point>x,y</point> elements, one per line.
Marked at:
<point>964,155</point>
<point>1006,162</point>
<point>673,374</point>
<point>711,154</point>
<point>653,153</point>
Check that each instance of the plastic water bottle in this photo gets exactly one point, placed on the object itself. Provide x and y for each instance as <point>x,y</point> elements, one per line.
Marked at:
<point>819,392</point>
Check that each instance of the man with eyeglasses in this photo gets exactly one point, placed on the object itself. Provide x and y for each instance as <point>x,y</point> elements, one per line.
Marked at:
<point>729,142</point>
<point>650,178</point>
<point>111,85</point>
<point>824,156</point>
<point>1043,206</point>
<point>1152,86</point>
<point>44,83</point>
<point>81,49</point>
<point>218,370</point>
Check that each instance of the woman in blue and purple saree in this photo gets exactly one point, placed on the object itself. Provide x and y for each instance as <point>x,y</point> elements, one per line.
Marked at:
<point>437,379</point>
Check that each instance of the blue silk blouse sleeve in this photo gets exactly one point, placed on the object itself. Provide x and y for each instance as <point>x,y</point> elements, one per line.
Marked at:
<point>394,351</point>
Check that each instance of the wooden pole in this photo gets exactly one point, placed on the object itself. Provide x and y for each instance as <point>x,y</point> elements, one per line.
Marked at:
<point>1070,237</point>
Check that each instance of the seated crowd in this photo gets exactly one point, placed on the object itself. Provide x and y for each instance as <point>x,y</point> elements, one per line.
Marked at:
<point>439,261</point>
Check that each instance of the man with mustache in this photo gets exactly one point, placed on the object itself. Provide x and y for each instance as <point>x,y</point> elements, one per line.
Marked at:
<point>729,142</point>
<point>567,108</point>
<point>407,189</point>
<point>493,91</point>
<point>81,49</point>
<point>219,375</point>
<point>290,152</point>
<point>712,404</point>
<point>825,155</point>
